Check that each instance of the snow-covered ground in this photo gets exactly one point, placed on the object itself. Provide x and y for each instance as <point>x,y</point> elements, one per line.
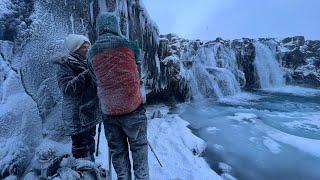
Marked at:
<point>178,150</point>
<point>176,147</point>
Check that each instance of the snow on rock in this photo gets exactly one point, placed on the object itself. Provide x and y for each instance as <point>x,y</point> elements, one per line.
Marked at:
<point>14,155</point>
<point>244,117</point>
<point>19,118</point>
<point>4,4</point>
<point>49,149</point>
<point>178,150</point>
<point>157,111</point>
<point>224,168</point>
<point>218,147</point>
<point>20,133</point>
<point>301,59</point>
<point>212,129</point>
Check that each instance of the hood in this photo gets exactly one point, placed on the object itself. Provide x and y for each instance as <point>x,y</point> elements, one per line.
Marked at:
<point>108,23</point>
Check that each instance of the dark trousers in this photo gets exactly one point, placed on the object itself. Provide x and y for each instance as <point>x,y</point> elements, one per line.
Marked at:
<point>127,131</point>
<point>83,144</point>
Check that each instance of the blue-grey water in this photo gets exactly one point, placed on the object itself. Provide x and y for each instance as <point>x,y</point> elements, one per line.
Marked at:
<point>266,135</point>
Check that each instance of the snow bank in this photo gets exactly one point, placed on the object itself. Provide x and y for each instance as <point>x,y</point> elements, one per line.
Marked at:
<point>178,150</point>
<point>176,147</point>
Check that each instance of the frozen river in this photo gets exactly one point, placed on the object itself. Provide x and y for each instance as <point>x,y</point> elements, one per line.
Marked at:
<point>261,135</point>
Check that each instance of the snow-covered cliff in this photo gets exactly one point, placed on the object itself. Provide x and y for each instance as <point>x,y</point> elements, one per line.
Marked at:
<point>219,68</point>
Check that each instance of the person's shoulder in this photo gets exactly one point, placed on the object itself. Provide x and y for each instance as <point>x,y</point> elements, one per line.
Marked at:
<point>63,62</point>
<point>59,59</point>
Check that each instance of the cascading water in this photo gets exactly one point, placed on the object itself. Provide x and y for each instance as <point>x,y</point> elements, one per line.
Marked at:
<point>267,67</point>
<point>211,74</point>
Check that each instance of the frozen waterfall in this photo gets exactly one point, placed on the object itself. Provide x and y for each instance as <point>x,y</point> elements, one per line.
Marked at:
<point>267,67</point>
<point>212,73</point>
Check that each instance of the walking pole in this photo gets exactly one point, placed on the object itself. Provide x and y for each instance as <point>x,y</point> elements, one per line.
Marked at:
<point>99,131</point>
<point>155,154</point>
<point>110,169</point>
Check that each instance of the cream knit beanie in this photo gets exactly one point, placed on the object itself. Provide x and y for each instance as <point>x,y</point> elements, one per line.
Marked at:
<point>74,41</point>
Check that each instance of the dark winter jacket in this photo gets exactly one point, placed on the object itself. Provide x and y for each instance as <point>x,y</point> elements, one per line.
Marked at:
<point>80,109</point>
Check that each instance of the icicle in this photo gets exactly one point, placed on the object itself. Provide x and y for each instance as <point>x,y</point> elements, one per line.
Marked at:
<point>157,64</point>
<point>82,23</point>
<point>51,17</point>
<point>102,6</point>
<point>72,23</point>
<point>91,12</point>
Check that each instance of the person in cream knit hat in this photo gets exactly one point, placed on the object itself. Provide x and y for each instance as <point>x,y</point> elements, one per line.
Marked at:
<point>80,102</point>
<point>74,41</point>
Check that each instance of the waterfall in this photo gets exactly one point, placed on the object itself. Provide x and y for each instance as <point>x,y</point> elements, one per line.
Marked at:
<point>267,67</point>
<point>212,73</point>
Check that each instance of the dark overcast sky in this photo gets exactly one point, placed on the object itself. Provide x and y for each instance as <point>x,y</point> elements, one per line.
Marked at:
<point>230,19</point>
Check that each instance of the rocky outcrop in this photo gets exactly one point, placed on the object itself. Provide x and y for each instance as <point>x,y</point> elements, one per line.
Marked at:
<point>301,58</point>
<point>20,122</point>
<point>245,54</point>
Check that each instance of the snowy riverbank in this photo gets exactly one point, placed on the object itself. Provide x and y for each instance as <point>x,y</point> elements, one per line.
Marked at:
<point>176,147</point>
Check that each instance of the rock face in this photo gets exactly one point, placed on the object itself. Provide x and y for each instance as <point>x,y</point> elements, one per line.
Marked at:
<point>245,54</point>
<point>36,35</point>
<point>301,59</point>
<point>20,122</point>
<point>48,23</point>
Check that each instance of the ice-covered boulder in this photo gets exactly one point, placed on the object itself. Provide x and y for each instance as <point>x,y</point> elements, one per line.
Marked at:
<point>21,125</point>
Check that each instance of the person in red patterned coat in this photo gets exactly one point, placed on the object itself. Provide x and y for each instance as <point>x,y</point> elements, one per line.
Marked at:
<point>114,63</point>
